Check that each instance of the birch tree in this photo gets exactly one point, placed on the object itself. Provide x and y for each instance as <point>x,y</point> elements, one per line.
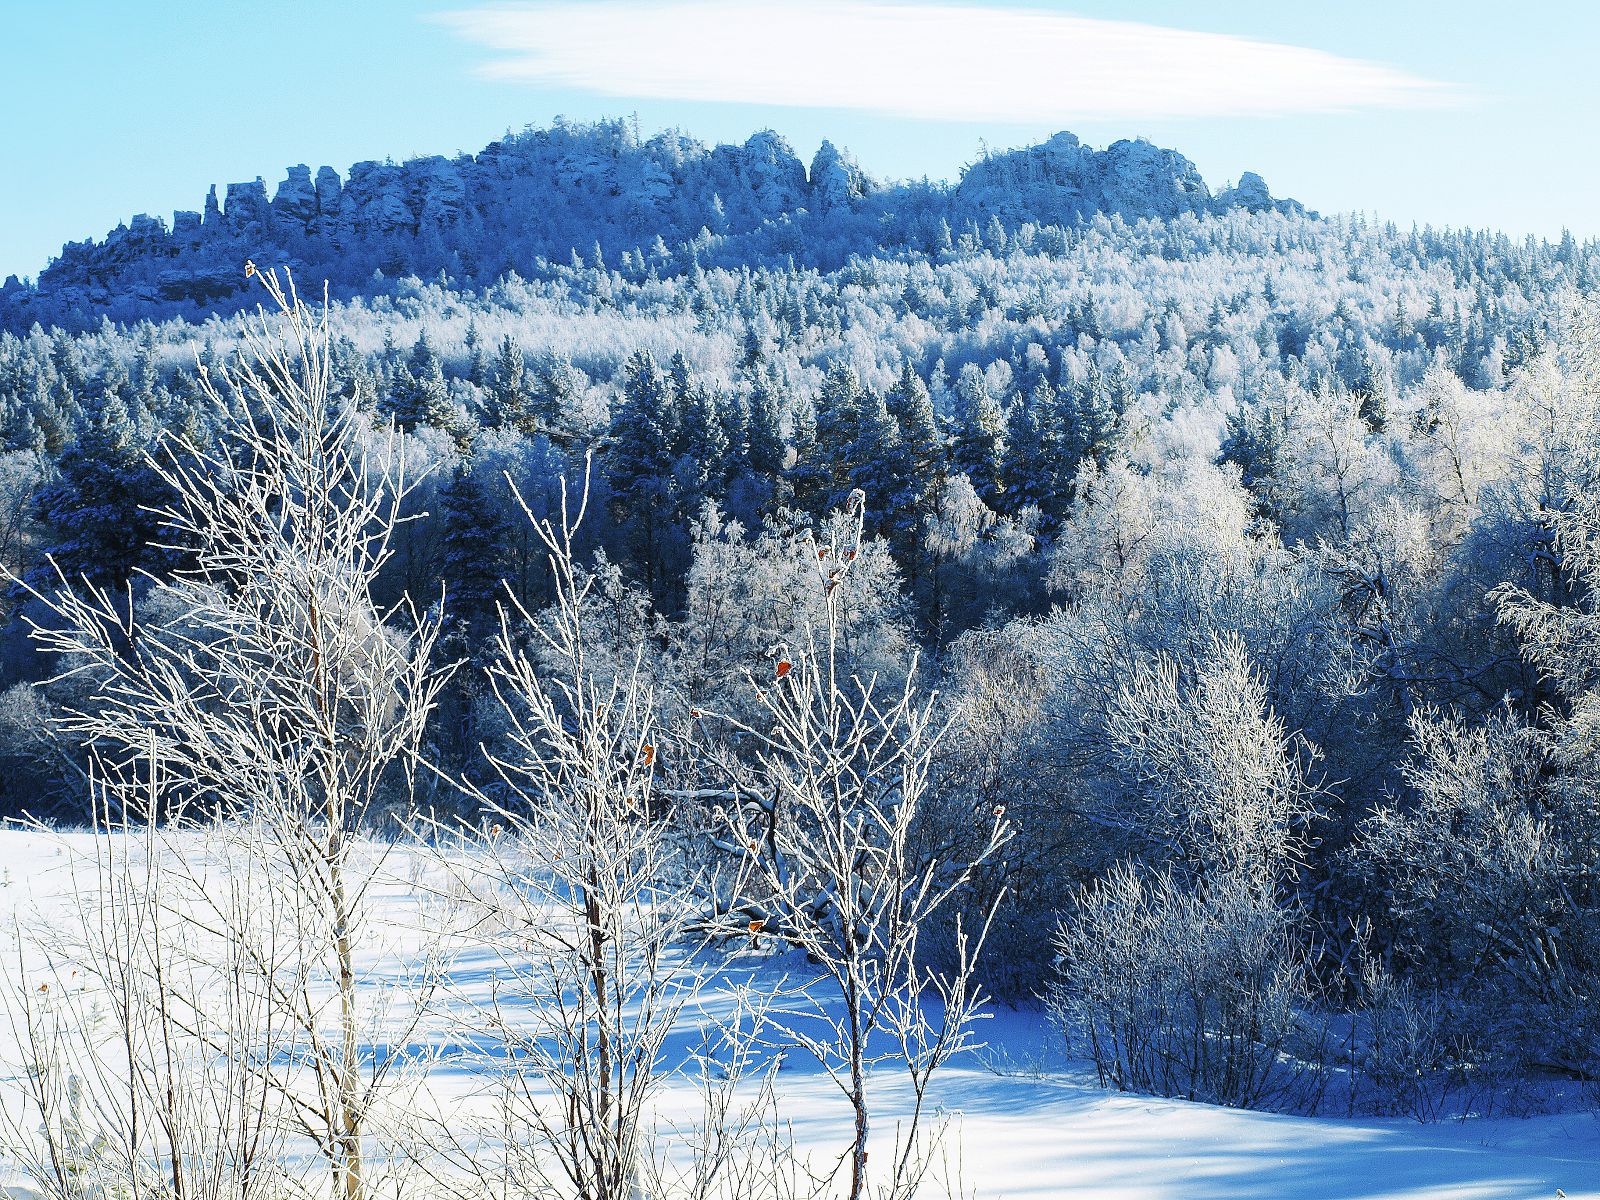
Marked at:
<point>258,700</point>
<point>823,824</point>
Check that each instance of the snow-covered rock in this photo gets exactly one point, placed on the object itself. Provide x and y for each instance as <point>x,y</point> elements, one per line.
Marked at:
<point>1062,180</point>
<point>296,197</point>
<point>1251,194</point>
<point>435,190</point>
<point>374,200</point>
<point>246,211</point>
<point>328,191</point>
<point>552,192</point>
<point>763,177</point>
<point>836,180</point>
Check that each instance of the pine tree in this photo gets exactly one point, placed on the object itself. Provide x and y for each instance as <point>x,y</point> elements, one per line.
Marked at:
<point>478,367</point>
<point>809,473</point>
<point>557,391</point>
<point>839,413</point>
<point>1100,405</point>
<point>994,235</point>
<point>922,468</point>
<point>765,449</point>
<point>878,466</point>
<point>1027,467</point>
<point>509,405</point>
<point>680,382</point>
<point>1372,394</point>
<point>418,394</point>
<point>146,373</point>
<point>97,512</point>
<point>734,413</point>
<point>472,543</point>
<point>978,447</point>
<point>23,433</point>
<point>72,378</point>
<point>1062,451</point>
<point>701,447</point>
<point>639,463</point>
<point>53,423</point>
<point>361,387</point>
<point>1254,443</point>
<point>912,408</point>
<point>754,352</point>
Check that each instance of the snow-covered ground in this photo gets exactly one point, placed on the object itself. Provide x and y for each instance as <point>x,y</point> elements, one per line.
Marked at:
<point>1023,1125</point>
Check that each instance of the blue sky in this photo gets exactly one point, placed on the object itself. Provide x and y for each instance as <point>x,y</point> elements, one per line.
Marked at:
<point>1473,113</point>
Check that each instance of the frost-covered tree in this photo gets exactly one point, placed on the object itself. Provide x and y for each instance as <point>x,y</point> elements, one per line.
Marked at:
<point>98,516</point>
<point>472,545</point>
<point>822,823</point>
<point>509,404</point>
<point>1182,965</point>
<point>921,439</point>
<point>977,442</point>
<point>639,463</point>
<point>418,394</point>
<point>259,701</point>
<point>1471,865</point>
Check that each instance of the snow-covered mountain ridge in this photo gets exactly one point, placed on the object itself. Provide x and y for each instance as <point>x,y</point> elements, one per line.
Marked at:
<point>588,189</point>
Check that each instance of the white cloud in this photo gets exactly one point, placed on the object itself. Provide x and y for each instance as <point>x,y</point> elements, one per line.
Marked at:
<point>945,61</point>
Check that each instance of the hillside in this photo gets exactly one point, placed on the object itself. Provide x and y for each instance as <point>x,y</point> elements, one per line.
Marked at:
<point>550,193</point>
<point>1242,557</point>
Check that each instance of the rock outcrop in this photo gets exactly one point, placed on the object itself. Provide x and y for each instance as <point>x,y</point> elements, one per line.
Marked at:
<point>296,197</point>
<point>549,193</point>
<point>1251,194</point>
<point>1062,180</point>
<point>836,181</point>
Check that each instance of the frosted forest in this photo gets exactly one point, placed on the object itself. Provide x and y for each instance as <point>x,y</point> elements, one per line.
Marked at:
<point>617,668</point>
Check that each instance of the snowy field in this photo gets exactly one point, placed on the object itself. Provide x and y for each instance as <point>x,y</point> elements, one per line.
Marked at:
<point>1023,1124</point>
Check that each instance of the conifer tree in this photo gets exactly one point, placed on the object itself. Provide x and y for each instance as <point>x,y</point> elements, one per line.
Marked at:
<point>1098,416</point>
<point>702,447</point>
<point>52,421</point>
<point>418,394</point>
<point>680,382</point>
<point>755,346</point>
<point>734,413</point>
<point>97,512</point>
<point>878,467</point>
<point>556,392</point>
<point>362,386</point>
<point>471,545</point>
<point>839,410</point>
<point>146,374</point>
<point>1254,443</point>
<point>23,433</point>
<point>765,449</point>
<point>1372,393</point>
<point>508,397</point>
<point>478,367</point>
<point>922,442</point>
<point>1061,449</point>
<point>72,379</point>
<point>1027,467</point>
<point>639,463</point>
<point>808,474</point>
<point>978,447</point>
